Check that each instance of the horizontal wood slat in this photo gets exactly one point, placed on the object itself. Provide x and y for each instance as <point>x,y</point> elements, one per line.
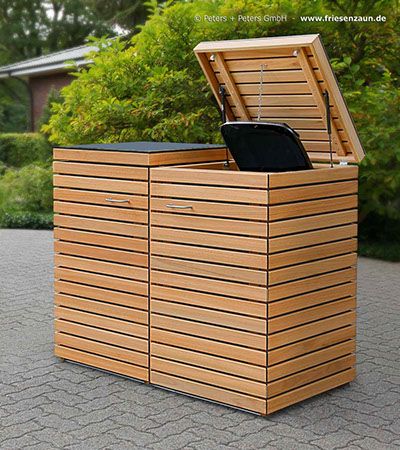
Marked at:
<point>105,295</point>
<point>218,333</point>
<point>103,281</point>
<point>208,346</point>
<point>107,226</point>
<point>209,377</point>
<point>102,267</point>
<point>309,390</point>
<point>189,312</point>
<point>229,210</point>
<point>211,255</point>
<point>106,254</point>
<point>210,301</point>
<point>210,392</point>
<point>105,309</point>
<point>101,184</point>
<point>229,226</point>
<point>310,375</point>
<point>218,287</point>
<point>221,241</point>
<point>101,362</point>
<point>97,334</point>
<point>101,240</point>
<point>101,170</point>
<point>210,193</point>
<point>100,198</point>
<point>102,212</point>
<point>107,323</point>
<point>212,362</point>
<point>100,348</point>
<point>217,271</point>
<point>99,156</point>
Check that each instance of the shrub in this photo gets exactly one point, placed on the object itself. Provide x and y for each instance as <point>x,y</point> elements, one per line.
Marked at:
<point>28,189</point>
<point>31,220</point>
<point>152,88</point>
<point>19,149</point>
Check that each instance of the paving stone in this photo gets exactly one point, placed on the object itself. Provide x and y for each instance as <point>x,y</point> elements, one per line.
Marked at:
<point>47,404</point>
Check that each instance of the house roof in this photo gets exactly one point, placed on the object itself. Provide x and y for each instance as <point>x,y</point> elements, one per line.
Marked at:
<point>53,62</point>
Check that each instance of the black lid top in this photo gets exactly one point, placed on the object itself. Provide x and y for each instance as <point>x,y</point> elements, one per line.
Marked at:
<point>144,147</point>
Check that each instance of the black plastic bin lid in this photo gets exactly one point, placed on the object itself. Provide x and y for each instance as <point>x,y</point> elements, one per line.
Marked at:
<point>265,147</point>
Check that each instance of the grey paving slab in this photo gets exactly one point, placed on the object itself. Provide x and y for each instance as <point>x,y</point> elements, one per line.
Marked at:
<point>49,404</point>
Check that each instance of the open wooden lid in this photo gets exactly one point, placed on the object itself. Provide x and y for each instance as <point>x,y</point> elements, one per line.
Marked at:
<point>295,73</point>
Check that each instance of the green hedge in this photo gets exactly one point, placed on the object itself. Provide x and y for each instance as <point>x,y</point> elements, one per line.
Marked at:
<point>26,219</point>
<point>20,149</point>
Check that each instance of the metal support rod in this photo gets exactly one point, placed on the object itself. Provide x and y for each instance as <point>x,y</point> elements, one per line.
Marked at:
<point>222,93</point>
<point>328,125</point>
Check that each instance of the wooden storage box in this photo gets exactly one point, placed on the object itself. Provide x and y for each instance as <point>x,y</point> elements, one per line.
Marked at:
<point>101,250</point>
<point>253,275</point>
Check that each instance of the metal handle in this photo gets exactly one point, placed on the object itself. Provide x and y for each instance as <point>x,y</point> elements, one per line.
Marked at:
<point>172,206</point>
<point>116,200</point>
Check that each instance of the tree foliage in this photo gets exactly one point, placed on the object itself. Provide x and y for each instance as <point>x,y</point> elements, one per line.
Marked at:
<point>151,88</point>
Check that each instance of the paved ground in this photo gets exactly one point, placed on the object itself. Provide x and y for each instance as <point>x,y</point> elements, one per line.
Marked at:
<point>46,404</point>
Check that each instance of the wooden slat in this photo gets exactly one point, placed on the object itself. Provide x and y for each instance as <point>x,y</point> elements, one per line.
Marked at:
<point>191,252</point>
<point>107,323</point>
<point>310,284</point>
<point>99,156</point>
<point>102,240</point>
<point>102,212</point>
<point>311,299</point>
<point>274,76</point>
<point>119,284</point>
<point>186,157</point>
<point>311,207</point>
<point>310,375</point>
<point>299,193</point>
<point>105,309</point>
<point>225,288</point>
<point>274,88</point>
<point>101,362</point>
<point>307,315</point>
<point>102,267</point>
<point>210,392</point>
<point>107,226</point>
<point>216,302</point>
<point>96,334</point>
<point>247,339</point>
<point>312,223</point>
<point>284,111</point>
<point>222,241</point>
<point>310,390</point>
<point>313,268</point>
<point>312,344</point>
<point>101,170</point>
<point>279,100</point>
<point>95,293</point>
<point>211,362</point>
<point>312,238</point>
<point>302,255</point>
<point>229,210</point>
<point>311,359</point>
<point>209,177</point>
<point>195,268</point>
<point>219,380</point>
<point>311,329</point>
<point>101,184</point>
<point>103,349</point>
<point>253,65</point>
<point>225,72</point>
<point>105,254</point>
<point>204,345</point>
<point>232,320</point>
<point>228,226</point>
<point>259,53</point>
<point>100,198</point>
<point>210,193</point>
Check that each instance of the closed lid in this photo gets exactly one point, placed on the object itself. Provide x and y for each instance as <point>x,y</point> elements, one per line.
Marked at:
<point>292,73</point>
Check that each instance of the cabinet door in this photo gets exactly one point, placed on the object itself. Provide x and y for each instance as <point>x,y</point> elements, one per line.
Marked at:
<point>101,262</point>
<point>208,287</point>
